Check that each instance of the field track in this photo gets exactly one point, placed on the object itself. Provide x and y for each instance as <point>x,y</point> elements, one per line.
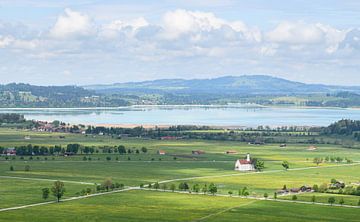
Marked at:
<point>173,180</point>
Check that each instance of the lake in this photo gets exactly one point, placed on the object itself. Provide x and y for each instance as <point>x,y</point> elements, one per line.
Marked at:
<point>194,115</point>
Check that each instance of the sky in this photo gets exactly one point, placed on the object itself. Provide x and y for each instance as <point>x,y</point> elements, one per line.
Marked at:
<point>86,42</point>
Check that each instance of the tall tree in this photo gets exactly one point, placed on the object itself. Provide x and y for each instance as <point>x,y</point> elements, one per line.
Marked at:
<point>58,190</point>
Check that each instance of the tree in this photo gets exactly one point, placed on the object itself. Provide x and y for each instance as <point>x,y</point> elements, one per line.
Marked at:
<point>121,149</point>
<point>285,164</point>
<point>266,195</point>
<point>294,197</point>
<point>323,187</point>
<point>196,188</point>
<point>244,192</point>
<point>183,186</point>
<point>45,193</point>
<point>275,195</point>
<point>27,168</point>
<point>331,200</point>
<point>212,188</point>
<point>144,149</point>
<point>205,189</point>
<point>172,187</point>
<point>341,202</point>
<point>359,202</point>
<point>230,192</point>
<point>259,165</point>
<point>315,188</point>
<point>156,185</point>
<point>313,199</point>
<point>11,168</point>
<point>107,184</point>
<point>317,161</point>
<point>58,190</point>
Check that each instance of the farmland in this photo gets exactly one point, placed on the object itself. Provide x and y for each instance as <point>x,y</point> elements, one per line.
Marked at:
<point>19,186</point>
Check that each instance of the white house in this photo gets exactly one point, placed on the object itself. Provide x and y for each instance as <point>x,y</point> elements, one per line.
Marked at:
<point>245,164</point>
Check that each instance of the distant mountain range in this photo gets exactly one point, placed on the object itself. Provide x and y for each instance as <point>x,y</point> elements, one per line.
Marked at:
<point>256,89</point>
<point>244,85</point>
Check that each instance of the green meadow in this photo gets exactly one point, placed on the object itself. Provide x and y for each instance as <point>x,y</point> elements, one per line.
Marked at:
<point>159,206</point>
<point>21,187</point>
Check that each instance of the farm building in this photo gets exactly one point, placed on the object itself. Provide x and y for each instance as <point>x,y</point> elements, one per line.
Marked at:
<point>10,152</point>
<point>231,152</point>
<point>161,152</point>
<point>198,152</point>
<point>245,164</point>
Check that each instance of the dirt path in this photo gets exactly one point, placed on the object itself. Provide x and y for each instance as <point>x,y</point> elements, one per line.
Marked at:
<point>180,179</point>
<point>42,179</point>
<point>262,172</point>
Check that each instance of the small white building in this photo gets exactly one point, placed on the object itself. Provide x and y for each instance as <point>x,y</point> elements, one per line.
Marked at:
<point>245,164</point>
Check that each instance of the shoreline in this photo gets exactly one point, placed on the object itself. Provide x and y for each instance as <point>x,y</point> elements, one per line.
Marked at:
<point>213,106</point>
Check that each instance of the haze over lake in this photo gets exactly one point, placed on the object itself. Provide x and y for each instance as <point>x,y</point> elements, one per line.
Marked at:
<point>193,115</point>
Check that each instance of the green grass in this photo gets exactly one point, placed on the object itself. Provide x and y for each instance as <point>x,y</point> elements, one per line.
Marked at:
<point>16,192</point>
<point>158,206</point>
<point>150,167</point>
<point>323,198</point>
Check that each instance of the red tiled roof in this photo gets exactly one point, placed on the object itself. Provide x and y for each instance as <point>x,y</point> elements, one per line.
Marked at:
<point>245,162</point>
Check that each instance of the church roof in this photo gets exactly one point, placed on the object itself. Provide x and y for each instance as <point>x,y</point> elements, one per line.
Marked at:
<point>245,162</point>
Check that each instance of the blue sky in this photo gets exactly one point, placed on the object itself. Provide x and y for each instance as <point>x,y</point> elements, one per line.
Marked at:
<point>92,41</point>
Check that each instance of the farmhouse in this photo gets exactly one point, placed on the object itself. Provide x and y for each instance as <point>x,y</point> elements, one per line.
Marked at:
<point>245,164</point>
<point>161,152</point>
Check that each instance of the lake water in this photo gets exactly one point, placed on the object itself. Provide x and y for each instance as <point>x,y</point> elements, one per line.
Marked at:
<point>197,115</point>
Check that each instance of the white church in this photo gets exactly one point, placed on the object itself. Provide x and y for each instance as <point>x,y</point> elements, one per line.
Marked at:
<point>245,164</point>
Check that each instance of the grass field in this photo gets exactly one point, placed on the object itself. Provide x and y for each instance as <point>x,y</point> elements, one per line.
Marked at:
<point>134,169</point>
<point>158,206</point>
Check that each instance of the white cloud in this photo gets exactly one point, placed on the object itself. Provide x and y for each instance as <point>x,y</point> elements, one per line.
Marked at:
<point>180,37</point>
<point>296,33</point>
<point>113,29</point>
<point>180,22</point>
<point>5,41</point>
<point>72,24</point>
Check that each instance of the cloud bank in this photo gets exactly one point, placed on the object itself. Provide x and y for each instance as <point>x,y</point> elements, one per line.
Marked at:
<point>198,42</point>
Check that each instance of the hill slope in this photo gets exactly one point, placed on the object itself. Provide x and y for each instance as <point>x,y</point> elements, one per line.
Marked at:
<point>246,85</point>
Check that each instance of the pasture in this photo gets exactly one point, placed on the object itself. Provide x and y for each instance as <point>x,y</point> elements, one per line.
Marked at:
<point>22,187</point>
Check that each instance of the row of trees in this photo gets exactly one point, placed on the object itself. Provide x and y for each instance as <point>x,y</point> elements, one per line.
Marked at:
<point>184,186</point>
<point>29,150</point>
<point>328,159</point>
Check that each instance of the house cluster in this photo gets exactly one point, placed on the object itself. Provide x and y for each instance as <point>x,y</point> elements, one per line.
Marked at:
<point>246,164</point>
<point>337,185</point>
<point>302,189</point>
<point>44,126</point>
<point>169,138</point>
<point>9,152</point>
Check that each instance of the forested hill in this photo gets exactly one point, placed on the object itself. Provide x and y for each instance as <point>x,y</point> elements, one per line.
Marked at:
<point>262,90</point>
<point>244,85</point>
<point>25,95</point>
